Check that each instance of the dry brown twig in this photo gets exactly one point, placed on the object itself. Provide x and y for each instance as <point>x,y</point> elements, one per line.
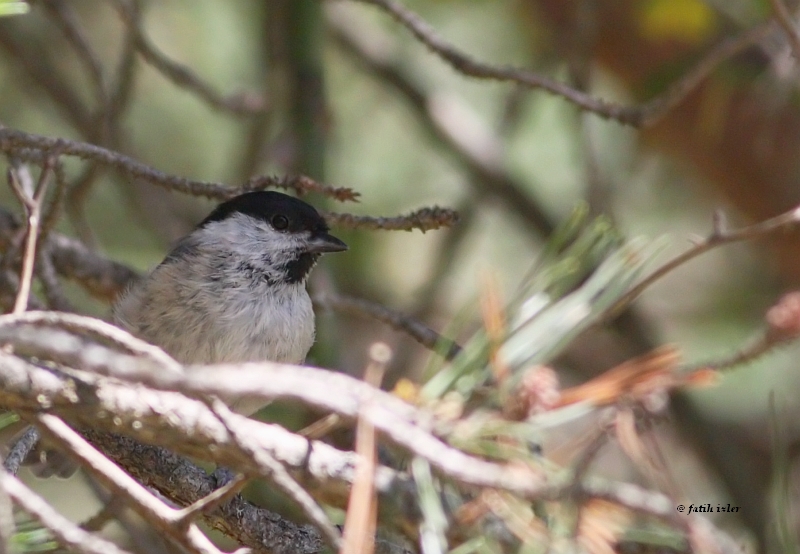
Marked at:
<point>642,115</point>
<point>362,508</point>
<point>244,104</point>
<point>66,20</point>
<point>32,202</point>
<point>424,335</point>
<point>425,219</point>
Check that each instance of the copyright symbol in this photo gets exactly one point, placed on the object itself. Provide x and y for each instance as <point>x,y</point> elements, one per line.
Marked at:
<point>681,507</point>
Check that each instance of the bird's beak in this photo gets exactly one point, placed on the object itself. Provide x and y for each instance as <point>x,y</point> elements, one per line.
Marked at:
<point>325,242</point>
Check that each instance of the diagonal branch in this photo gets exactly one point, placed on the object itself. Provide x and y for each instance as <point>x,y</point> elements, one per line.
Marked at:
<point>183,76</point>
<point>639,116</point>
<point>719,236</point>
<point>66,532</point>
<point>164,518</point>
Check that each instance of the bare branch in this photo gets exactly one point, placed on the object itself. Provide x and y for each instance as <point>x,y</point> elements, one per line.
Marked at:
<point>32,201</point>
<point>425,219</point>
<point>153,510</point>
<point>280,477</point>
<point>265,532</point>
<point>302,185</point>
<point>183,76</point>
<point>65,18</point>
<point>719,236</point>
<point>66,533</point>
<point>22,383</point>
<point>638,116</point>
<point>784,19</point>
<point>12,140</point>
<point>475,148</point>
<point>405,324</point>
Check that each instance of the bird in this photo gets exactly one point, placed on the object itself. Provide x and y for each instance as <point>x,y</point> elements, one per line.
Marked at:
<point>234,289</point>
<point>231,291</point>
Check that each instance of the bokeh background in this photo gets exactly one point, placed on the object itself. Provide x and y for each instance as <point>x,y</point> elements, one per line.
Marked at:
<point>340,92</point>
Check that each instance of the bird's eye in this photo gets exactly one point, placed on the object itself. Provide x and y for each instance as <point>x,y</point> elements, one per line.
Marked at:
<point>280,222</point>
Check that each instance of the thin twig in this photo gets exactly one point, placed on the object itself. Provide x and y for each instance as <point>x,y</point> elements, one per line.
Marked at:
<point>282,479</point>
<point>65,18</point>
<point>301,185</point>
<point>12,140</point>
<point>33,205</point>
<point>414,328</point>
<point>425,219</point>
<point>152,509</point>
<point>719,236</point>
<point>783,326</point>
<point>784,19</point>
<point>212,501</point>
<point>122,91</point>
<point>362,507</point>
<point>183,76</point>
<point>64,531</point>
<point>639,116</point>
<point>53,291</point>
<point>107,514</point>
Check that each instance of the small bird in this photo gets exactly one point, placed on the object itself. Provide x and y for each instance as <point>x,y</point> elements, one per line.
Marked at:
<point>231,291</point>
<point>234,289</point>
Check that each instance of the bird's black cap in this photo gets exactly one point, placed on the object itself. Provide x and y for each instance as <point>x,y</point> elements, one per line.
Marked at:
<point>266,205</point>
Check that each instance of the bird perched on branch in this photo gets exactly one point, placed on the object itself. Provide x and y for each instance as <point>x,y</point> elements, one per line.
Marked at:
<point>234,289</point>
<point>231,291</point>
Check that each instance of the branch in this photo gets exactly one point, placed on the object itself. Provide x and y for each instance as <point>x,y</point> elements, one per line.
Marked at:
<point>425,219</point>
<point>32,202</point>
<point>169,419</point>
<point>184,77</point>
<point>263,531</point>
<point>65,532</point>
<point>719,236</point>
<point>12,140</point>
<point>153,510</point>
<point>60,11</point>
<point>190,426</point>
<point>279,476</point>
<point>476,148</point>
<point>20,450</point>
<point>639,116</point>
<point>417,330</point>
<point>784,19</point>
